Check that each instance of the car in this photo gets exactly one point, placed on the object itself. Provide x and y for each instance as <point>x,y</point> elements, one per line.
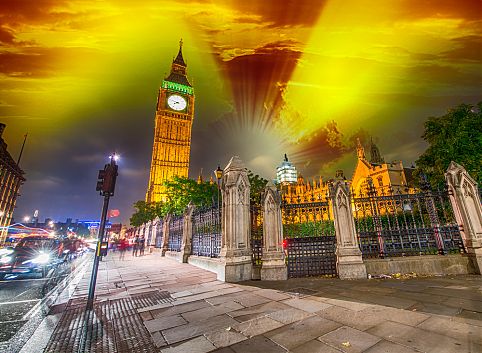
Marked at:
<point>33,254</point>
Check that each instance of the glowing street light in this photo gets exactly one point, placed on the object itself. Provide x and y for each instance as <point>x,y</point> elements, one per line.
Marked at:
<point>51,224</point>
<point>26,219</point>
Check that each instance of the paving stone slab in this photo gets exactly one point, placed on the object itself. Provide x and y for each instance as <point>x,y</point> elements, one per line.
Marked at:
<point>452,328</point>
<point>205,313</point>
<point>258,344</point>
<point>179,309</point>
<point>308,305</point>
<point>197,345</point>
<point>225,337</point>
<point>257,311</point>
<point>272,294</point>
<point>348,339</point>
<point>257,326</point>
<point>184,332</point>
<point>300,332</point>
<point>422,340</point>
<point>407,317</point>
<point>357,319</point>
<point>390,347</point>
<point>290,315</point>
<point>314,346</point>
<point>164,323</point>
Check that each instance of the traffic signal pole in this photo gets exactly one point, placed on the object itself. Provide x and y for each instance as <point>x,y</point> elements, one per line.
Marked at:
<point>106,186</point>
<point>100,240</point>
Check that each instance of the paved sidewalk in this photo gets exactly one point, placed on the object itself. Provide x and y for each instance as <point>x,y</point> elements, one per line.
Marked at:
<point>200,314</point>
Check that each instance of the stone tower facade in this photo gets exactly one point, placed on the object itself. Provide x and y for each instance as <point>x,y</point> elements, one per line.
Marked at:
<point>172,131</point>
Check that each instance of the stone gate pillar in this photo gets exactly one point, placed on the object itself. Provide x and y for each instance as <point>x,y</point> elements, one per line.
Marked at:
<point>349,257</point>
<point>186,244</point>
<point>235,255</point>
<point>273,260</point>
<point>465,200</point>
<point>155,232</point>
<point>165,237</point>
<point>148,234</point>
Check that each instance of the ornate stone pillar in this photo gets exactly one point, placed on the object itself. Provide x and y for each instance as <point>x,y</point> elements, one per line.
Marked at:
<point>186,244</point>
<point>235,255</point>
<point>165,237</point>
<point>156,232</point>
<point>349,257</point>
<point>273,266</point>
<point>465,199</point>
<point>148,234</point>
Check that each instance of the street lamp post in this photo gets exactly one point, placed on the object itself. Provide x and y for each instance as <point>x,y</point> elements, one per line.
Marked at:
<point>219,174</point>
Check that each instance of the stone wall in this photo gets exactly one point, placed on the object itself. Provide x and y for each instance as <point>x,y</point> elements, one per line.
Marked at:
<point>421,265</point>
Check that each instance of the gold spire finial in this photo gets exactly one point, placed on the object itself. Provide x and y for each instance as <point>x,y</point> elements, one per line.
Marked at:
<point>180,43</point>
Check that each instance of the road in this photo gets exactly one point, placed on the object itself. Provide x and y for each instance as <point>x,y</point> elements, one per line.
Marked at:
<point>20,294</point>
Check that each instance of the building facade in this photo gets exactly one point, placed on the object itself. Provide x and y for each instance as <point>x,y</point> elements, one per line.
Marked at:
<point>172,132</point>
<point>11,178</point>
<point>286,172</point>
<point>386,178</point>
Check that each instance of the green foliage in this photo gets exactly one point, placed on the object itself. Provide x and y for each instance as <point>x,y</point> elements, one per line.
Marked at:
<point>144,213</point>
<point>455,136</point>
<point>180,191</point>
<point>257,187</point>
<point>309,229</point>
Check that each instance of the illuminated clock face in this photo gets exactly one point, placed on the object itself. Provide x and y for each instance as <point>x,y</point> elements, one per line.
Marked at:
<point>176,102</point>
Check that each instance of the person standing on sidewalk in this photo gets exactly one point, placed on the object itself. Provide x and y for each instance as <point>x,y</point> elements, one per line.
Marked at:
<point>142,241</point>
<point>136,246</point>
<point>123,248</point>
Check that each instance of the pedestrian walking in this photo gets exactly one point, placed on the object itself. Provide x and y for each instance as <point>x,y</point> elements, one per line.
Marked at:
<point>123,248</point>
<point>142,245</point>
<point>136,246</point>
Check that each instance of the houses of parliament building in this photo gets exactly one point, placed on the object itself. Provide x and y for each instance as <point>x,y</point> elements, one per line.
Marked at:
<point>386,178</point>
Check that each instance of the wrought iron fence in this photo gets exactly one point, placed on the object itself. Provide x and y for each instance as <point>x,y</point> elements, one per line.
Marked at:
<point>256,211</point>
<point>176,224</point>
<point>391,224</point>
<point>309,239</point>
<point>206,232</point>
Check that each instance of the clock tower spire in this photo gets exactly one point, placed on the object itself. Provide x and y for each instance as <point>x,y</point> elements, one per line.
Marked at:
<point>172,131</point>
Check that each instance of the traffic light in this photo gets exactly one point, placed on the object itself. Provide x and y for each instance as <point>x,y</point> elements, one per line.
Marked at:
<point>107,178</point>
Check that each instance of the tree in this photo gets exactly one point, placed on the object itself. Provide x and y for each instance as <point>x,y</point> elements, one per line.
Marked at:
<point>180,191</point>
<point>257,187</point>
<point>455,136</point>
<point>143,214</point>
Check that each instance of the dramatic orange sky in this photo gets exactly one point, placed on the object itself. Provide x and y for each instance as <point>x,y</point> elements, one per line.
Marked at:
<point>270,77</point>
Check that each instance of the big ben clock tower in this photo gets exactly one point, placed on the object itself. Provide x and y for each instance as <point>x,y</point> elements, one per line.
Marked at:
<point>172,131</point>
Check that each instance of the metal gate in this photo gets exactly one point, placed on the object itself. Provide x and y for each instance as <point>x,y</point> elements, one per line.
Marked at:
<point>256,212</point>
<point>309,239</point>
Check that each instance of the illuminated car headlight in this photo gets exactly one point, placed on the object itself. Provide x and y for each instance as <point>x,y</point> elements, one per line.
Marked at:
<point>41,259</point>
<point>5,259</point>
<point>5,251</point>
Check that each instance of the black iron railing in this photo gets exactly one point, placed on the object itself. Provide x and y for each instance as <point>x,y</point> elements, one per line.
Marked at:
<point>206,232</point>
<point>176,224</point>
<point>405,224</point>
